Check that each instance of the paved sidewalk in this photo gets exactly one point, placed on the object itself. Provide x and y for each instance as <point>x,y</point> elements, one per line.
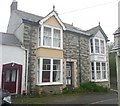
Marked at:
<point>87,99</point>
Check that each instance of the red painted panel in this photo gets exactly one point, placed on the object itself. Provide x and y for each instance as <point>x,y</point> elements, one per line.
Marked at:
<point>11,85</point>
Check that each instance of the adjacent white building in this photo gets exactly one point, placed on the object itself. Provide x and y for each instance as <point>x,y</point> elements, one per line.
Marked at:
<point>12,64</point>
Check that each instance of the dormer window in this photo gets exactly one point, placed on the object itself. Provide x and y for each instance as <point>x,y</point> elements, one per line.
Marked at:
<point>97,46</point>
<point>51,37</point>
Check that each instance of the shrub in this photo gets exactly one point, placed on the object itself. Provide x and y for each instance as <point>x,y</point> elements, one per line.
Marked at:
<point>86,87</point>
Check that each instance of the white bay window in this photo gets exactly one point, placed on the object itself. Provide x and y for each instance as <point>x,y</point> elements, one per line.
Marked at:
<point>99,71</point>
<point>50,71</point>
<point>97,46</point>
<point>51,37</point>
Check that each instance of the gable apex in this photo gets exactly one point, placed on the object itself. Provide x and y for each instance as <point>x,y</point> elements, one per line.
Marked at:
<point>51,14</point>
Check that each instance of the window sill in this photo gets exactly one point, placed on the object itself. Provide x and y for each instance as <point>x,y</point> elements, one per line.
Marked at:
<point>44,84</point>
<point>49,48</point>
<point>98,54</point>
<point>105,80</point>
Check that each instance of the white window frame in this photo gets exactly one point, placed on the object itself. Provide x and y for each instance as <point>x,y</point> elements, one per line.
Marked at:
<point>52,29</point>
<point>94,51</point>
<point>95,72</point>
<point>39,80</point>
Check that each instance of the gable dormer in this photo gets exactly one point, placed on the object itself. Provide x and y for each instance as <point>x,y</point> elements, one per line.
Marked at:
<point>53,19</point>
<point>51,31</point>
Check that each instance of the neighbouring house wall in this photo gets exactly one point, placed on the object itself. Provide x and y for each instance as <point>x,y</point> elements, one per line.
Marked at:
<point>15,26</point>
<point>14,55</point>
<point>76,47</point>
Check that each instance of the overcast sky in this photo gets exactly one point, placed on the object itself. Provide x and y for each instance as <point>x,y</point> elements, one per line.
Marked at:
<point>84,14</point>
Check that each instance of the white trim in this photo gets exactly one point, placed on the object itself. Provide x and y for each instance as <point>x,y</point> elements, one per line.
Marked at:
<point>51,72</point>
<point>94,51</point>
<point>95,73</point>
<point>52,32</point>
<point>17,81</point>
<point>50,15</point>
<point>41,42</point>
<point>53,83</point>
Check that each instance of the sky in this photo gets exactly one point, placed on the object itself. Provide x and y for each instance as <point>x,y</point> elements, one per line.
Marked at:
<point>84,14</point>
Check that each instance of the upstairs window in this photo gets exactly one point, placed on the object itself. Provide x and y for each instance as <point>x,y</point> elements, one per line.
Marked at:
<point>96,46</point>
<point>51,37</point>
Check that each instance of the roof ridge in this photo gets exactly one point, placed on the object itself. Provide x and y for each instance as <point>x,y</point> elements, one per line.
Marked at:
<point>93,28</point>
<point>29,13</point>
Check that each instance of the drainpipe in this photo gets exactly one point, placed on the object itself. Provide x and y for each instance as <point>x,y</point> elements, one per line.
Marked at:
<point>26,66</point>
<point>80,60</point>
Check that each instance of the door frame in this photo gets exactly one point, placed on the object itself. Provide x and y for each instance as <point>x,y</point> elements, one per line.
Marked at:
<point>71,73</point>
<point>11,66</point>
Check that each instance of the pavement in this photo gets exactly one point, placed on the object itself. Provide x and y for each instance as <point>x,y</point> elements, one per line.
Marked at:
<point>89,99</point>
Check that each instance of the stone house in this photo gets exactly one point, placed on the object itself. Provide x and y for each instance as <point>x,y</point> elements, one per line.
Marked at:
<point>59,54</point>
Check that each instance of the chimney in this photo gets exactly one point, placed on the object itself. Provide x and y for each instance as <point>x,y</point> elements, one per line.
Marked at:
<point>13,6</point>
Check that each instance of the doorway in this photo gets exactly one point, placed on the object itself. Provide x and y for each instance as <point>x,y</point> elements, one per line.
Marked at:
<point>69,74</point>
<point>12,78</point>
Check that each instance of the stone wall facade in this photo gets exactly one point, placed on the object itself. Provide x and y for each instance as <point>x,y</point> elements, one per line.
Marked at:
<point>76,47</point>
<point>30,43</point>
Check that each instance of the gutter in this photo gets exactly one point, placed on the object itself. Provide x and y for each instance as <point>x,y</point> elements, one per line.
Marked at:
<point>80,61</point>
<point>26,66</point>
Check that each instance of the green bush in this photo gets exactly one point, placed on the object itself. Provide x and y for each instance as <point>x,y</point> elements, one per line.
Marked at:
<point>92,87</point>
<point>86,87</point>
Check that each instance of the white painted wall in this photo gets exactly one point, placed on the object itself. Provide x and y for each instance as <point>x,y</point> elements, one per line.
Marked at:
<point>16,55</point>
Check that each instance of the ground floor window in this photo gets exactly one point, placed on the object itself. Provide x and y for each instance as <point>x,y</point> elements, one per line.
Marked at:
<point>49,71</point>
<point>99,71</point>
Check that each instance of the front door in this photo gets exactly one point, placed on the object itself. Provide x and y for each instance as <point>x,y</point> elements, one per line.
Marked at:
<point>12,77</point>
<point>10,81</point>
<point>69,74</point>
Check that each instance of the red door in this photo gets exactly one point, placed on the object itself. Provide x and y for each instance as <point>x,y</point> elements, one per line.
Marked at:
<point>12,77</point>
<point>10,80</point>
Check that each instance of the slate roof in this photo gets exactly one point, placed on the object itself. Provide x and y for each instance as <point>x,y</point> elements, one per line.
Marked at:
<point>117,31</point>
<point>9,39</point>
<point>93,31</point>
<point>36,18</point>
<point>75,29</point>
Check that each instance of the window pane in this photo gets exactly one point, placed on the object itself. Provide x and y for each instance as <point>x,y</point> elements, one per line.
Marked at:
<point>38,70</point>
<point>56,38</point>
<point>13,76</point>
<point>96,45</point>
<point>103,71</point>
<point>47,36</point>
<point>56,65</point>
<point>91,43</point>
<point>102,47</point>
<point>98,70</point>
<point>7,76</point>
<point>46,76</point>
<point>46,64</point>
<point>92,70</point>
<point>56,76</point>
